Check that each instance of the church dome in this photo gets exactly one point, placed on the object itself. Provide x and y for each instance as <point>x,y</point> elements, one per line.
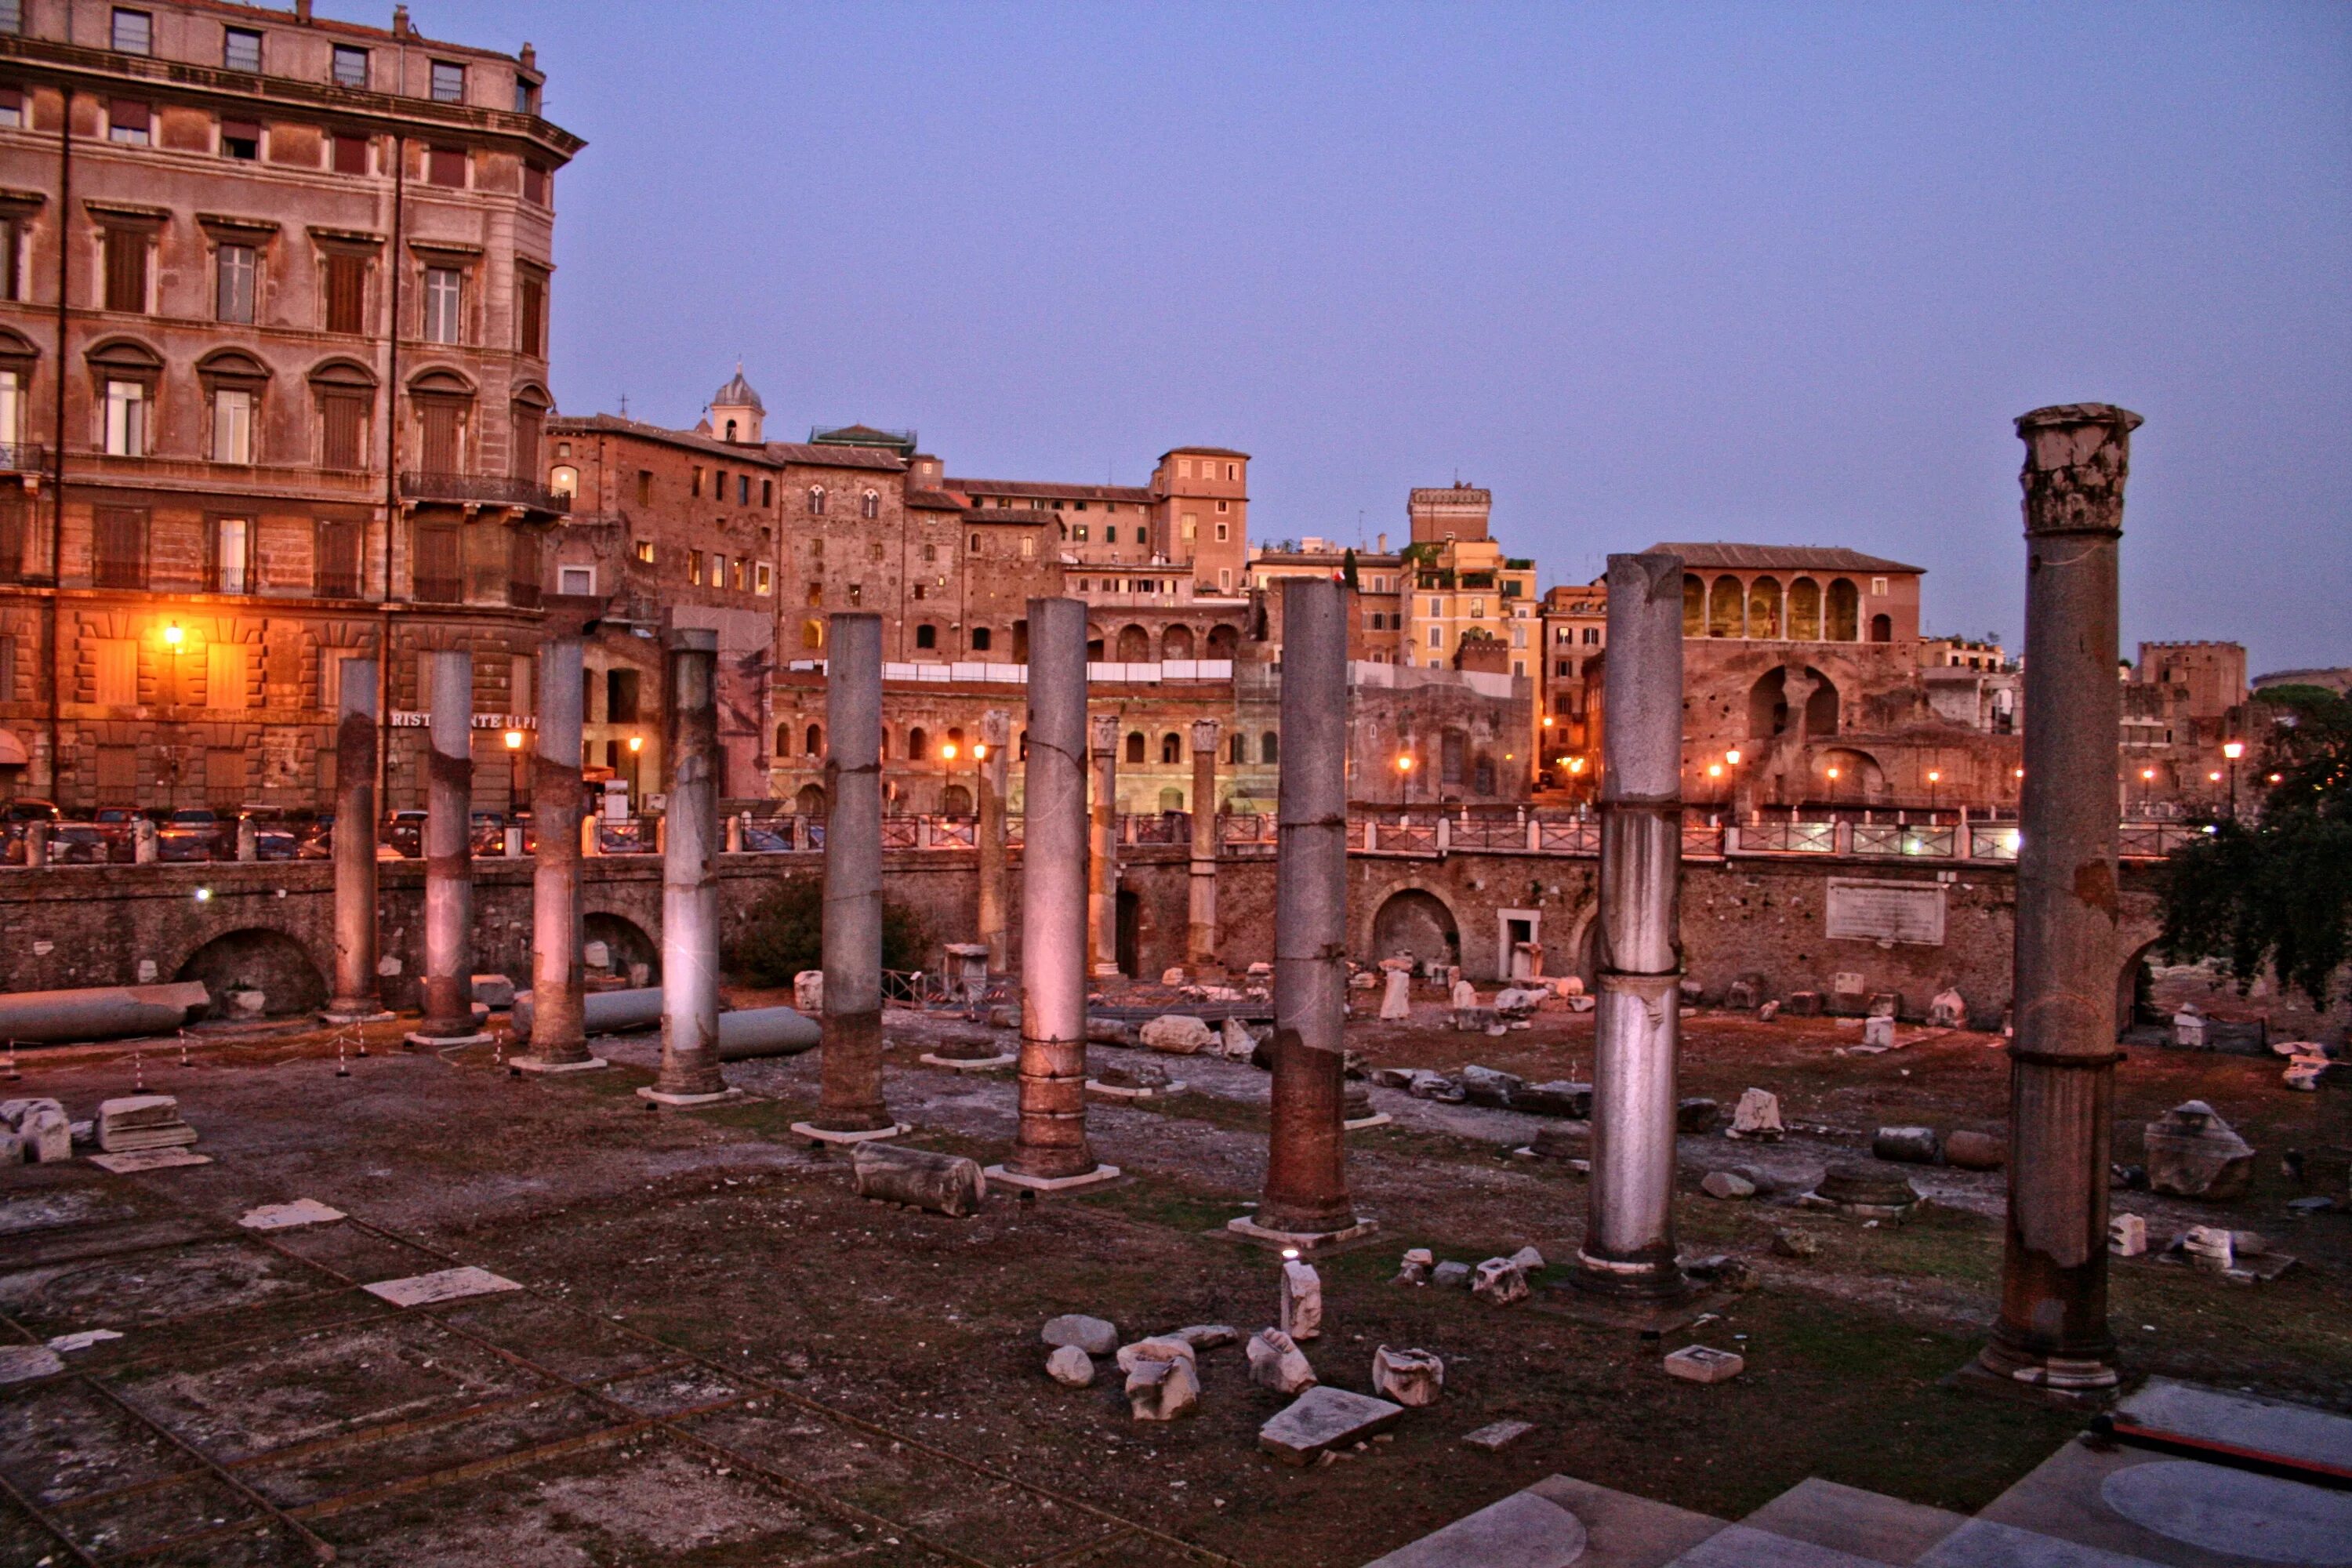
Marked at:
<point>738,394</point>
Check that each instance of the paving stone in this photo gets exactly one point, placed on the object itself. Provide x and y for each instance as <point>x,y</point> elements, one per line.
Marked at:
<point>2219,1510</point>
<point>1868,1524</point>
<point>1523,1530</point>
<point>288,1216</point>
<point>1321,1417</point>
<point>1984,1543</point>
<point>2269,1425</point>
<point>140,1160</point>
<point>21,1363</point>
<point>1497,1437</point>
<point>1095,1336</point>
<point>1698,1363</point>
<point>443,1285</point>
<point>1744,1546</point>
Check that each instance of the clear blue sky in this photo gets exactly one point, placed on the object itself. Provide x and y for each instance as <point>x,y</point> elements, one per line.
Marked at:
<point>1770,272</point>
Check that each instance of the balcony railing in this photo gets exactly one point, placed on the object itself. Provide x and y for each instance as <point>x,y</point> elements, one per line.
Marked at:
<point>492,489</point>
<point>22,457</point>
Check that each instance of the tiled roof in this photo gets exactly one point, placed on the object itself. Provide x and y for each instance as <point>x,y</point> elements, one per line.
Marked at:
<point>1721,557</point>
<point>932,500</point>
<point>875,457</point>
<point>1135,493</point>
<point>1204,452</point>
<point>614,425</point>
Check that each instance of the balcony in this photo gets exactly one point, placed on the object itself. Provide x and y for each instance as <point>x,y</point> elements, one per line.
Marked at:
<point>22,457</point>
<point>483,489</point>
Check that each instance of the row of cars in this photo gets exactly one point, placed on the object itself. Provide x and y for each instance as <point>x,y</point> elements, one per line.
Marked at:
<point>197,833</point>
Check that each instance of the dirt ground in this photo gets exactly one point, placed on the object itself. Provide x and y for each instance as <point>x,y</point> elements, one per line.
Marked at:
<point>719,1355</point>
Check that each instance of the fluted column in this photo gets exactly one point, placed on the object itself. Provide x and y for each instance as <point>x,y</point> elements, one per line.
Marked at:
<point>1629,1238</point>
<point>689,1071</point>
<point>2053,1330</point>
<point>559,1034</point>
<point>448,851</point>
<point>996,735</point>
<point>1200,922</point>
<point>357,995</point>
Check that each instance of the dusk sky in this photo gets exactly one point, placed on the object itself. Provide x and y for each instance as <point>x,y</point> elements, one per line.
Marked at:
<point>1766,273</point>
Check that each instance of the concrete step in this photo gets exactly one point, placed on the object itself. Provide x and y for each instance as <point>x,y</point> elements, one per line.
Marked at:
<point>1863,1524</point>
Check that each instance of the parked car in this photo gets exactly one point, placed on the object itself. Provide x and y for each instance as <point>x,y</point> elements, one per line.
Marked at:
<point>489,832</point>
<point>192,833</point>
<point>79,844</point>
<point>405,834</point>
<point>26,808</point>
<point>316,840</point>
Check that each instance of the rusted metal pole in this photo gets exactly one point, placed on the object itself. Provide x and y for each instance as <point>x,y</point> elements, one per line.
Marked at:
<point>356,996</point>
<point>2053,1330</point>
<point>1201,922</point>
<point>1306,1195</point>
<point>851,1067</point>
<point>1051,1149</point>
<point>689,941</point>
<point>1629,1238</point>
<point>996,734</point>
<point>1102,894</point>
<point>558,1025</point>
<point>449,850</point>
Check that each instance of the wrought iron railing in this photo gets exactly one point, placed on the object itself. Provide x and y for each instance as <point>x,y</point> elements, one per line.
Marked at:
<point>492,489</point>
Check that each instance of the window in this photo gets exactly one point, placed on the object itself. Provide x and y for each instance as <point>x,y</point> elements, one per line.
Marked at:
<point>816,595</point>
<point>11,99</point>
<point>1028,545</point>
<point>118,553</point>
<point>350,155</point>
<point>234,270</point>
<point>1269,749</point>
<point>975,545</point>
<point>240,139</point>
<point>445,167</point>
<point>530,314</point>
<point>1878,587</point>
<point>12,413</point>
<point>1171,750</point>
<point>241,49</point>
<point>1221,533</point>
<point>927,636</point>
<point>1592,637</point>
<point>12,20</point>
<point>981,638</point>
<point>1110,534</point>
<point>127,122</point>
<point>445,294</point>
<point>694,567</point>
<point>869,505</point>
<point>525,98</point>
<point>342,424</point>
<point>1436,637</point>
<point>126,269</point>
<point>1224,506</point>
<point>767,493</point>
<point>118,673</point>
<point>742,490</point>
<point>919,744</point>
<point>448,82</point>
<point>811,634</point>
<point>619,697</point>
<point>126,419</point>
<point>816,500</point>
<point>644,487</point>
<point>335,572</point>
<point>719,487</point>
<point>232,556</point>
<point>877,550</point>
<point>134,32</point>
<point>232,428</point>
<point>351,66</point>
<point>534,185</point>
<point>579,581</point>
<point>763,580</point>
<point>1079,533</point>
<point>442,423</point>
<point>346,293</point>
<point>644,551</point>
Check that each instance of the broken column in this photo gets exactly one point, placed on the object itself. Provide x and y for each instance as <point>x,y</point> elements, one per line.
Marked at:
<point>559,1032</point>
<point>689,940</point>
<point>2053,1329</point>
<point>449,852</point>
<point>1629,1238</point>
<point>1051,1148</point>
<point>850,1105</point>
<point>1305,1201</point>
<point>996,735</point>
<point>356,996</point>
<point>1102,890</point>
<point>1201,927</point>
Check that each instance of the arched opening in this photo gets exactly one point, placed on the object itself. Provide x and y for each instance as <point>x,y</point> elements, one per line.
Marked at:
<point>1882,628</point>
<point>1127,933</point>
<point>1134,645</point>
<point>919,744</point>
<point>1725,613</point>
<point>1764,608</point>
<point>1237,749</point>
<point>1453,753</point>
<point>1096,645</point>
<point>1171,749</point>
<point>981,639</point>
<point>1176,642</point>
<point>2136,992</point>
<point>1019,642</point>
<point>269,961</point>
<point>1135,747</point>
<point>1805,610</point>
<point>1821,707</point>
<point>927,636</point>
<point>955,801</point>
<point>1768,705</point>
<point>1482,775</point>
<point>815,738</point>
<point>1269,749</point>
<point>810,802</point>
<point>1844,612</point>
<point>1171,799</point>
<point>784,739</point>
<point>1843,776</point>
<point>1418,925</point>
<point>1224,641</point>
<point>627,949</point>
<point>1694,606</point>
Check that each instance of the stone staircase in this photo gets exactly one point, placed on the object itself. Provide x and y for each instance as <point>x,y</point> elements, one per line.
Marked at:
<point>2092,1504</point>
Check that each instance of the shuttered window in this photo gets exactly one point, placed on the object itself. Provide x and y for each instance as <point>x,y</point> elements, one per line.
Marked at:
<point>126,269</point>
<point>522,570</point>
<point>12,536</point>
<point>346,293</point>
<point>120,548</point>
<point>529,421</point>
<point>227,669</point>
<point>115,662</point>
<point>336,565</point>
<point>343,417</point>
<point>443,425</point>
<point>438,567</point>
<point>530,304</point>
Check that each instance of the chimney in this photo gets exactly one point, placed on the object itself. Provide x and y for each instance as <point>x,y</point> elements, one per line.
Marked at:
<point>530,58</point>
<point>303,12</point>
<point>400,28</point>
<point>1381,543</point>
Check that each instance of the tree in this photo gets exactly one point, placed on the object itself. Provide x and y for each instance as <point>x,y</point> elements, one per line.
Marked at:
<point>783,933</point>
<point>1348,568</point>
<point>2276,894</point>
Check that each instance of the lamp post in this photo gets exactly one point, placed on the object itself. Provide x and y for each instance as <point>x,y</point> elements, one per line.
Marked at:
<point>1935,777</point>
<point>2233,750</point>
<point>1404,775</point>
<point>2146,788</point>
<point>516,793</point>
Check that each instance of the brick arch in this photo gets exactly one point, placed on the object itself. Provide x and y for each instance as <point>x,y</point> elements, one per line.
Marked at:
<point>1366,910</point>
<point>202,957</point>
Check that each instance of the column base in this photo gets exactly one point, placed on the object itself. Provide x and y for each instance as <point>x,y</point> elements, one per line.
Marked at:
<point>356,1015</point>
<point>1094,1178</point>
<point>536,1064</point>
<point>1247,1229</point>
<point>1119,1091</point>
<point>1658,1283</point>
<point>441,1042</point>
<point>968,1064</point>
<point>1377,1119</point>
<point>2069,1383</point>
<point>815,1134</point>
<point>1106,971</point>
<point>662,1096</point>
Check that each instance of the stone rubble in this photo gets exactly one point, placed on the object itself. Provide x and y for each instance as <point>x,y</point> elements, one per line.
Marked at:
<point>2193,1154</point>
<point>1234,1042</point>
<point>950,1184</point>
<point>1972,1150</point>
<point>1302,1297</point>
<point>1496,1437</point>
<point>1487,1087</point>
<point>1529,1260</point>
<point>1698,1363</point>
<point>1697,1116</point>
<point>1450,1275</point>
<point>1071,1367</point>
<point>1093,1335</point>
<point>1178,1035</point>
<point>40,1128</point>
<point>1207,1336</point>
<point>1787,1243</point>
<point>1728,1186</point>
<point>1275,1361</point>
<point>2127,1236</point>
<point>1322,1418</point>
<point>142,1122</point>
<point>1159,1347</point>
<point>1558,1098</point>
<point>1947,1010</point>
<point>1162,1390</point>
<point>1757,1116</point>
<point>1499,1282</point>
<point>1909,1145</point>
<point>1412,1378</point>
<point>1878,1030</point>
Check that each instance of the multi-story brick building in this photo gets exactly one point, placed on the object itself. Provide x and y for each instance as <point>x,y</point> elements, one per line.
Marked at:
<point>1574,631</point>
<point>274,297</point>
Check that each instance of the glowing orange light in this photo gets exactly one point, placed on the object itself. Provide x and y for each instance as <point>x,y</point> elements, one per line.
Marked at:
<point>2215,776</point>
<point>514,740</point>
<point>1714,769</point>
<point>636,742</point>
<point>946,752</point>
<point>1576,764</point>
<point>1405,764</point>
<point>172,633</point>
<point>979,751</point>
<point>1732,756</point>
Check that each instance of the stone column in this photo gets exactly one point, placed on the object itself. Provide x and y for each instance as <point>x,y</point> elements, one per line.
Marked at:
<point>559,1034</point>
<point>996,734</point>
<point>448,853</point>
<point>1102,891</point>
<point>356,994</point>
<point>689,938</point>
<point>1629,1238</point>
<point>1305,1201</point>
<point>1201,924</point>
<point>850,1105</point>
<point>1050,1149</point>
<point>2053,1330</point>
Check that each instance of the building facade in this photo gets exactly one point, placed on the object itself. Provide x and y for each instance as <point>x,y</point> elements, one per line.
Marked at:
<point>273,351</point>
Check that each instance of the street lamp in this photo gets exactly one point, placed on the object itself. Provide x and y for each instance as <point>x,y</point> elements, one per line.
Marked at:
<point>2233,750</point>
<point>515,790</point>
<point>2147,786</point>
<point>1404,775</point>
<point>1833,778</point>
<point>1935,777</point>
<point>1714,771</point>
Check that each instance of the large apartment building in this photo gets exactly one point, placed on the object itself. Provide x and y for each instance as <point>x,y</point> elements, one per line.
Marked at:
<point>274,309</point>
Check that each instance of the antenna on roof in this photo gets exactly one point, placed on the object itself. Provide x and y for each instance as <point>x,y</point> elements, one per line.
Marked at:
<point>625,405</point>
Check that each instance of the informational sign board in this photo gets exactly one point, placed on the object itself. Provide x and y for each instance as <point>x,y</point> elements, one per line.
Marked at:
<point>1863,909</point>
